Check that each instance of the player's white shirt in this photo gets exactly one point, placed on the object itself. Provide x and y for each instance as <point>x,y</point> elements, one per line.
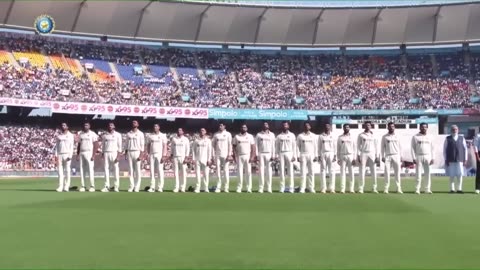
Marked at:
<point>286,142</point>
<point>265,142</point>
<point>346,145</point>
<point>157,141</point>
<point>135,141</point>
<point>180,146</point>
<point>202,149</point>
<point>307,144</point>
<point>87,140</point>
<point>326,143</point>
<point>390,145</point>
<point>422,145</point>
<point>367,143</point>
<point>65,143</point>
<point>243,144</point>
<point>222,144</point>
<point>112,142</point>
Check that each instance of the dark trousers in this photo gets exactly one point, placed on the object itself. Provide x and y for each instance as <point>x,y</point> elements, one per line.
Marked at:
<point>477,176</point>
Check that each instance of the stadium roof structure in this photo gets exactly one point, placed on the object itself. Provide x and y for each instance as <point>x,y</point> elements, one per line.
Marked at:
<point>254,24</point>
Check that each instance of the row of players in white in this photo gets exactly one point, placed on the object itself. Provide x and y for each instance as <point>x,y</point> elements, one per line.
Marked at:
<point>245,149</point>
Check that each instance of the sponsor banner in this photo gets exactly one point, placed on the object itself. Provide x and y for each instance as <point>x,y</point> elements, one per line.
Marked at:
<point>384,112</point>
<point>24,102</point>
<point>253,114</point>
<point>426,120</point>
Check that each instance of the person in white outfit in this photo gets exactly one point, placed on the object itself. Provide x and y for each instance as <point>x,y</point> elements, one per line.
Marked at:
<point>390,151</point>
<point>327,158</point>
<point>455,155</point>
<point>422,153</point>
<point>157,150</point>
<point>307,155</point>
<point>368,155</point>
<point>244,149</point>
<point>180,152</point>
<point>86,150</point>
<point>64,150</point>
<point>222,147</point>
<point>111,151</point>
<point>286,149</point>
<point>265,143</point>
<point>202,156</point>
<point>135,151</point>
<point>346,152</point>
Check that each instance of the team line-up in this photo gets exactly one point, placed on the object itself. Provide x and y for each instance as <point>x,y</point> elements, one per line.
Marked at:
<point>245,149</point>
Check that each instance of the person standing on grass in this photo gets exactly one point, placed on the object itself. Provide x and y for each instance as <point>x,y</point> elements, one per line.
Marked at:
<point>157,149</point>
<point>346,149</point>
<point>455,155</point>
<point>202,156</point>
<point>265,142</point>
<point>390,151</point>
<point>222,147</point>
<point>135,151</point>
<point>286,149</point>
<point>180,153</point>
<point>65,148</point>
<point>422,153</point>
<point>111,151</point>
<point>307,151</point>
<point>326,152</point>
<point>244,152</point>
<point>477,156</point>
<point>87,147</point>
<point>367,156</point>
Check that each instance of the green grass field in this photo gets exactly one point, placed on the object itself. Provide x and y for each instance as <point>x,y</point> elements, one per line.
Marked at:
<point>44,229</point>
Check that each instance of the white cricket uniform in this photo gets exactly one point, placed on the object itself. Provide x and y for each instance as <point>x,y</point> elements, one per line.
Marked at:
<point>265,142</point>
<point>326,150</point>
<point>156,142</point>
<point>346,150</point>
<point>222,147</point>
<point>180,151</point>
<point>111,149</point>
<point>65,148</point>
<point>243,153</point>
<point>422,152</point>
<point>135,146</point>
<point>202,154</point>
<point>367,151</point>
<point>390,150</point>
<point>455,169</point>
<point>307,152</point>
<point>87,142</point>
<point>286,149</point>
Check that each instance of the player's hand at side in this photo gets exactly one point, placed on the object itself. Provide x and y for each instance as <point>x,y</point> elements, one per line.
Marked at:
<point>293,159</point>
<point>92,158</point>
<point>431,162</point>
<point>334,159</point>
<point>252,160</point>
<point>354,162</point>
<point>69,158</point>
<point>78,157</point>
<point>230,158</point>
<point>315,159</point>
<point>377,160</point>
<point>209,163</point>
<point>383,160</point>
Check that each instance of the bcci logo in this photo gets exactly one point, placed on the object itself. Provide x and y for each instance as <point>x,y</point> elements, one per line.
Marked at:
<point>44,24</point>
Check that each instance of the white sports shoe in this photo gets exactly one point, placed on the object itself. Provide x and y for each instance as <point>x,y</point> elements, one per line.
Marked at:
<point>477,191</point>
<point>281,191</point>
<point>260,191</point>
<point>332,191</point>
<point>375,191</point>
<point>151,190</point>
<point>91,189</point>
<point>130,189</point>
<point>217,190</point>
<point>360,191</point>
<point>385,192</point>
<point>239,191</point>
<point>292,190</point>
<point>160,190</point>
<point>59,190</point>
<point>249,191</point>
<point>428,192</point>
<point>323,191</point>
<point>116,189</point>
<point>226,191</point>
<point>302,191</point>
<point>66,190</point>
<point>270,191</point>
<point>197,191</point>
<point>342,191</point>
<point>175,190</point>
<point>313,191</point>
<point>417,192</point>
<point>399,191</point>
<point>105,189</point>
<point>207,191</point>
<point>82,189</point>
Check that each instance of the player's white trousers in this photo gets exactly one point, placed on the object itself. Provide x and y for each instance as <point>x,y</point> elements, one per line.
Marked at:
<point>393,161</point>
<point>86,166</point>
<point>64,168</point>
<point>109,158</point>
<point>156,166</point>
<point>244,170</point>
<point>286,163</point>
<point>455,170</point>
<point>367,159</point>
<point>223,166</point>
<point>306,168</point>
<point>326,163</point>
<point>201,169</point>
<point>265,171</point>
<point>134,169</point>
<point>346,162</point>
<point>423,164</point>
<point>180,171</point>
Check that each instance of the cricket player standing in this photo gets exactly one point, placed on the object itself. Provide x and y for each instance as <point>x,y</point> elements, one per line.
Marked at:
<point>111,149</point>
<point>135,151</point>
<point>286,149</point>
<point>308,152</point>
<point>455,154</point>
<point>346,157</point>
<point>202,156</point>
<point>180,153</point>
<point>87,147</point>
<point>367,156</point>
<point>326,150</point>
<point>244,149</point>
<point>222,147</point>
<point>422,153</point>
<point>157,149</point>
<point>265,142</point>
<point>65,148</point>
<point>390,151</point>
